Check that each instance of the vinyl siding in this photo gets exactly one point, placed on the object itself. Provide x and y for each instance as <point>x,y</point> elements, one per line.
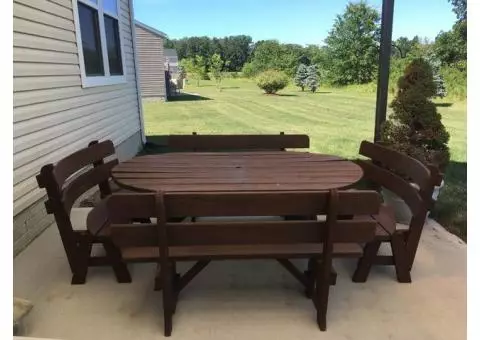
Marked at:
<point>151,63</point>
<point>53,115</point>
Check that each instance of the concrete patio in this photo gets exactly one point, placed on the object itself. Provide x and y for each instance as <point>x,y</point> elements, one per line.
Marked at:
<point>246,299</point>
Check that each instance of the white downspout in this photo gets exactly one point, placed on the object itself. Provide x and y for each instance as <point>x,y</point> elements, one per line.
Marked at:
<point>137,77</point>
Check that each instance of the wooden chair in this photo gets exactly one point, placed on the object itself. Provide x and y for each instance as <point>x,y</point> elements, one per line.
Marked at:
<point>414,183</point>
<point>65,182</point>
<point>166,242</point>
<point>211,143</point>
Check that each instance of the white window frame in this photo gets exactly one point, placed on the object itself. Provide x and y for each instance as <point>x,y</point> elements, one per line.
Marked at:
<point>107,79</point>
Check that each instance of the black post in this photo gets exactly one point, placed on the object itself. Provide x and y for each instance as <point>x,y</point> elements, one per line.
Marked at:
<point>384,65</point>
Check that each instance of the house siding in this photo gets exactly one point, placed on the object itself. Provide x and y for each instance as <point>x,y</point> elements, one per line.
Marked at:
<point>151,63</point>
<point>53,115</point>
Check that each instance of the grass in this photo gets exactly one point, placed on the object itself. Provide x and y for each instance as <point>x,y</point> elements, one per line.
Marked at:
<point>336,119</point>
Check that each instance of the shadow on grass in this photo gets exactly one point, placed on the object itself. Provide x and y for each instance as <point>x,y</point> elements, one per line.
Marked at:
<point>185,97</point>
<point>286,95</point>
<point>451,208</point>
<point>443,104</point>
<point>229,87</point>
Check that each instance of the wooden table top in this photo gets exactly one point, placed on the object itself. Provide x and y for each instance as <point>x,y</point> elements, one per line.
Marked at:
<point>236,171</point>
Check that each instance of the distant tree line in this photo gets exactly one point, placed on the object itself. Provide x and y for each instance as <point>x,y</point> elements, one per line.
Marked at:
<point>233,50</point>
<point>349,55</point>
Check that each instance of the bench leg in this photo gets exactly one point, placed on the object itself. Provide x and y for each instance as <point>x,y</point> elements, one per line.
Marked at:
<point>366,261</point>
<point>80,270</point>
<point>168,300</point>
<point>400,258</point>
<point>321,294</point>
<point>119,267</point>
<point>310,274</point>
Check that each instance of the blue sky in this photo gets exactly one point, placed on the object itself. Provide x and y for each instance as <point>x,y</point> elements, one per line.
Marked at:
<point>289,21</point>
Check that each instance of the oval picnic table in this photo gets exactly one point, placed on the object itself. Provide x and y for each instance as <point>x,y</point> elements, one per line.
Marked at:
<point>236,171</point>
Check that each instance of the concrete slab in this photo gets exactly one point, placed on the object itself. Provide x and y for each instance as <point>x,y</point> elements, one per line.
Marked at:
<point>246,299</point>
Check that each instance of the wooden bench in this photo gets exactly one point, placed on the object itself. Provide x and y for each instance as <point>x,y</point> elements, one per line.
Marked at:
<point>166,242</point>
<point>206,143</point>
<point>413,182</point>
<point>65,182</point>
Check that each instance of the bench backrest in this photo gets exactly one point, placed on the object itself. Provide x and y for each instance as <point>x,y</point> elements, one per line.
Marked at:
<point>122,207</point>
<point>405,176</point>
<point>70,178</point>
<point>196,142</point>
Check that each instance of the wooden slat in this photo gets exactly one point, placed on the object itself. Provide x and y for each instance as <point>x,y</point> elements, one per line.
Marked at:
<point>76,161</point>
<point>150,254</point>
<point>398,162</point>
<point>242,233</point>
<point>126,206</point>
<point>147,186</point>
<point>394,183</point>
<point>226,142</point>
<point>268,203</point>
<point>86,181</point>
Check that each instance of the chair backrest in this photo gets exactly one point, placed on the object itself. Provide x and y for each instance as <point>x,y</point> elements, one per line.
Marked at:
<point>405,176</point>
<point>122,207</point>
<point>74,175</point>
<point>196,142</point>
<point>400,173</point>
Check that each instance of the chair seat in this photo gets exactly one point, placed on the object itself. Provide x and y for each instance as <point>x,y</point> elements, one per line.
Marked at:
<point>78,217</point>
<point>386,223</point>
<point>386,219</point>
<point>142,254</point>
<point>237,218</point>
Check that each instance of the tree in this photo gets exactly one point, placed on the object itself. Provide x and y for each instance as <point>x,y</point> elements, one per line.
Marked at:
<point>301,76</point>
<point>312,78</point>
<point>415,126</point>
<point>167,43</point>
<point>459,8</point>
<point>451,46</point>
<point>194,67</point>
<point>434,62</point>
<point>404,46</point>
<point>216,65</point>
<point>352,45</point>
<point>234,50</point>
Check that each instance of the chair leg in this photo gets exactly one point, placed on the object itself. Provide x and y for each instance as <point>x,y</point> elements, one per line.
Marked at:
<point>83,252</point>
<point>119,267</point>
<point>158,279</point>
<point>322,286</point>
<point>366,261</point>
<point>175,286</point>
<point>310,274</point>
<point>167,300</point>
<point>400,257</point>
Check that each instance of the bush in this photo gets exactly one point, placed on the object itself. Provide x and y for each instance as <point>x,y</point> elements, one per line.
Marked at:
<point>272,81</point>
<point>249,70</point>
<point>455,81</point>
<point>415,127</point>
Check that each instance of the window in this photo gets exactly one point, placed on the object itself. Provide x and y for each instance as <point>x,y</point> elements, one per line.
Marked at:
<point>99,42</point>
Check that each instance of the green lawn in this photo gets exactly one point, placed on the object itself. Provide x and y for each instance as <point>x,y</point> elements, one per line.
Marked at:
<point>336,120</point>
